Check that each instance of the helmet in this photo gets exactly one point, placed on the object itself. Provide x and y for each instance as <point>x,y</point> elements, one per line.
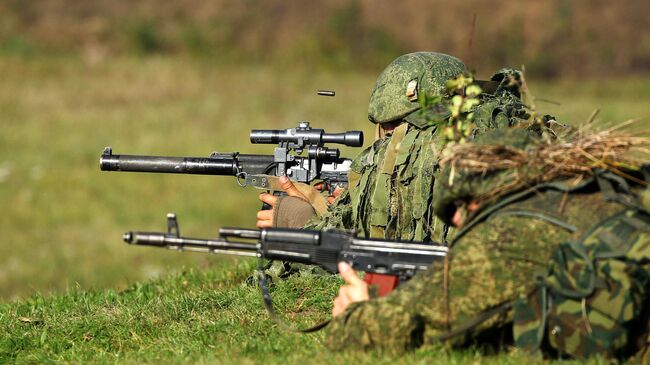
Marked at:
<point>466,186</point>
<point>397,89</point>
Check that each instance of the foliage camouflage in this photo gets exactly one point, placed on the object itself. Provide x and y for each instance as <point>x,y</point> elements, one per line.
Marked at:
<point>467,110</point>
<point>517,159</point>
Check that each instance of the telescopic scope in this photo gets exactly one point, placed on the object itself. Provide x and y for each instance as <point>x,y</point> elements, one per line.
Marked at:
<point>304,135</point>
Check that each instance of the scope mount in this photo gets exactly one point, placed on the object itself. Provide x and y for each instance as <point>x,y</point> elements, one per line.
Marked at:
<point>303,168</point>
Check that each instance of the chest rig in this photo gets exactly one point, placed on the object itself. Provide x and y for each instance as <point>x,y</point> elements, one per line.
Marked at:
<point>390,186</point>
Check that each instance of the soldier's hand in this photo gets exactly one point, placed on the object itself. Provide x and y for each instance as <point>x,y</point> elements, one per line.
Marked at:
<point>265,217</point>
<point>354,290</point>
<point>335,194</point>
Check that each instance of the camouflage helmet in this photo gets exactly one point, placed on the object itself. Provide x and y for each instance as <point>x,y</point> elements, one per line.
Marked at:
<point>451,192</point>
<point>397,89</point>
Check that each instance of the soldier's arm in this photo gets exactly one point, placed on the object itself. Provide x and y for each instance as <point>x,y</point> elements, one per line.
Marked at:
<point>337,215</point>
<point>390,322</point>
<point>486,269</point>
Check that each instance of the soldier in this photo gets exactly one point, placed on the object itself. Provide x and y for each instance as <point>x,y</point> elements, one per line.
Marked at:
<point>549,251</point>
<point>389,194</point>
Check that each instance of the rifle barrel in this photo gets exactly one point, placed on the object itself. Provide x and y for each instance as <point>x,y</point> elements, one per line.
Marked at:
<point>218,245</point>
<point>218,164</point>
<point>322,248</point>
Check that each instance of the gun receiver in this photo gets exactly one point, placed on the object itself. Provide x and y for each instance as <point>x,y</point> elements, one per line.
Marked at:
<point>288,159</point>
<point>391,259</point>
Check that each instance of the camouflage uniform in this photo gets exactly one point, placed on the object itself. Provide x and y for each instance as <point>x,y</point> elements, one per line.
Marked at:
<point>507,258</point>
<point>390,182</point>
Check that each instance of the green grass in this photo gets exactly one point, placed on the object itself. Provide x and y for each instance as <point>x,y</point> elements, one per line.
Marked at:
<point>195,316</point>
<point>63,267</point>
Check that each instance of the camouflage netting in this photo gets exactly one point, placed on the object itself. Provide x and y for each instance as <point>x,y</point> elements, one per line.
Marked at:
<point>506,160</point>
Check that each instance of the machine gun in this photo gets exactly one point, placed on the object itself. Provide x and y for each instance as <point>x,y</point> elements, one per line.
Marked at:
<point>300,154</point>
<point>400,260</point>
<point>321,248</point>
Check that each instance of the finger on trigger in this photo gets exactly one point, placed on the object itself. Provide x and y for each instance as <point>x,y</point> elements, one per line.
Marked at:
<point>269,199</point>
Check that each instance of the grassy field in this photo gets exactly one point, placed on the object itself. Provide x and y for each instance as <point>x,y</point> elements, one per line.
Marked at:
<point>63,218</point>
<point>194,317</point>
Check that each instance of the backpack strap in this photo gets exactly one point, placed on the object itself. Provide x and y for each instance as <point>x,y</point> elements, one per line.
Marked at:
<point>487,212</point>
<point>510,199</point>
<point>610,184</point>
<point>604,180</point>
<point>539,215</point>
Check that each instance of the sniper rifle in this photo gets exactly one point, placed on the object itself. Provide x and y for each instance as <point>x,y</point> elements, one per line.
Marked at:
<point>300,154</point>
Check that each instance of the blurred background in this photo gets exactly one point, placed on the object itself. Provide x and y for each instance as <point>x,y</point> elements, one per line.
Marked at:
<point>191,77</point>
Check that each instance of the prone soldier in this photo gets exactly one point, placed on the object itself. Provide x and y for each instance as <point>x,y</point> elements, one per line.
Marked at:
<point>550,251</point>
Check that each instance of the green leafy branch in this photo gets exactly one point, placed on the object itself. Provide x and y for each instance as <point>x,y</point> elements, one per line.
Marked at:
<point>455,111</point>
<point>465,98</point>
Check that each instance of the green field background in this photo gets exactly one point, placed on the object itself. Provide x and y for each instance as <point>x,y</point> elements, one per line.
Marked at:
<point>186,78</point>
<point>63,218</point>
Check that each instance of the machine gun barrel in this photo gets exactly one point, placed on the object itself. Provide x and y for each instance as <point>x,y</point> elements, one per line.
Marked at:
<point>173,242</point>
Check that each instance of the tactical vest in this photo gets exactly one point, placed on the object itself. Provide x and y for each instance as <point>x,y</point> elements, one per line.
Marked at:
<point>593,298</point>
<point>390,186</point>
<point>390,183</point>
